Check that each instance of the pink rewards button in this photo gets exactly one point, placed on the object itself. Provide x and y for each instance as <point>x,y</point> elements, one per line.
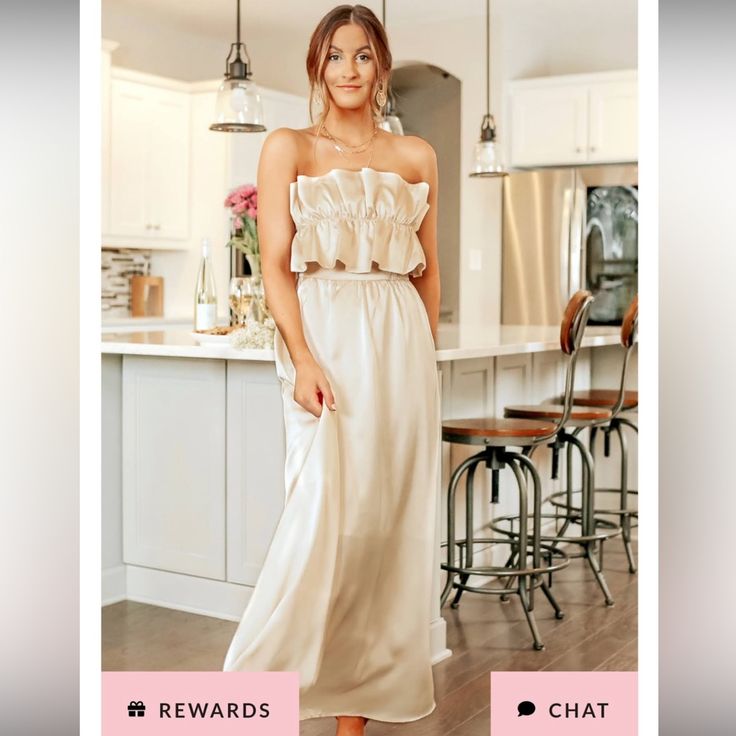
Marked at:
<point>564,703</point>
<point>186,703</point>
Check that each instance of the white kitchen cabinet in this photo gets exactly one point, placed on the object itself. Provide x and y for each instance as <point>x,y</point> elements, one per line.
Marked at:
<point>548,376</point>
<point>173,464</point>
<point>612,123</point>
<point>255,487</point>
<point>573,119</point>
<point>149,165</point>
<point>549,126</point>
<point>105,77</point>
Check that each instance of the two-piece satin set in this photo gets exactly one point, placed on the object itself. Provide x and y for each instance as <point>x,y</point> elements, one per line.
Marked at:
<point>344,593</point>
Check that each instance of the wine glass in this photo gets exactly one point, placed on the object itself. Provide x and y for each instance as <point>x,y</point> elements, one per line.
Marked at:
<point>241,295</point>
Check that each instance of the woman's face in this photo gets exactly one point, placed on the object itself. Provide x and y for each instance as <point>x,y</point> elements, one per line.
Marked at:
<point>351,69</point>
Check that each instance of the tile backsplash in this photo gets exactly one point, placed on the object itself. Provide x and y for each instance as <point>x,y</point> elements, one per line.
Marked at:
<point>118,265</point>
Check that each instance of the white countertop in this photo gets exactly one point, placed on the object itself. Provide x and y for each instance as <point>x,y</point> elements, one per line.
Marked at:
<point>134,324</point>
<point>454,342</point>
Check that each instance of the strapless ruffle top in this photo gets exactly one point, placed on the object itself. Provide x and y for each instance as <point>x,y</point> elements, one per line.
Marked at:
<point>358,217</point>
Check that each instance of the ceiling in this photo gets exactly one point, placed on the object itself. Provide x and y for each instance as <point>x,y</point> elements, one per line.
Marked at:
<point>216,18</point>
<point>189,39</point>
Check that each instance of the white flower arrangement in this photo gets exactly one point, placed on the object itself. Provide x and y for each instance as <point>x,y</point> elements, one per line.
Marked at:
<point>254,335</point>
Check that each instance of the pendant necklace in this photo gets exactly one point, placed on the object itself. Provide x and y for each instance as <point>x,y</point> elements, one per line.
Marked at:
<point>345,148</point>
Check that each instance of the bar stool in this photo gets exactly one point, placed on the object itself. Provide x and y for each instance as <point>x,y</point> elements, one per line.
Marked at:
<point>593,530</point>
<point>497,435</point>
<point>617,401</point>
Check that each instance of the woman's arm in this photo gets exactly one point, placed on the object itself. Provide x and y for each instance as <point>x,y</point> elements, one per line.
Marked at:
<point>277,168</point>
<point>428,284</point>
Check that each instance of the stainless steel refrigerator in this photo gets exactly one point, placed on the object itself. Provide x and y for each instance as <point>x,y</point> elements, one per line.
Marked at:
<point>565,229</point>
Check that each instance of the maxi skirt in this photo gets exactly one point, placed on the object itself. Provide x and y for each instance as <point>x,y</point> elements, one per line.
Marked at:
<point>344,594</point>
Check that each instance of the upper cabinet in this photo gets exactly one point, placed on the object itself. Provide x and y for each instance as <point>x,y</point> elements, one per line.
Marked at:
<point>613,121</point>
<point>149,155</point>
<point>573,119</point>
<point>165,174</point>
<point>105,76</point>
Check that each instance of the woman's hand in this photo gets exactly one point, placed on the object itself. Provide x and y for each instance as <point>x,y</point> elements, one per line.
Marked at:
<point>310,382</point>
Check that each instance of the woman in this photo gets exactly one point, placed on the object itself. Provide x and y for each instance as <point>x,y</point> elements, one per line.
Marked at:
<point>344,593</point>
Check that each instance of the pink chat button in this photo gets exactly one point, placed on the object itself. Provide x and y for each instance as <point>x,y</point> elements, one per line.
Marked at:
<point>185,703</point>
<point>569,703</point>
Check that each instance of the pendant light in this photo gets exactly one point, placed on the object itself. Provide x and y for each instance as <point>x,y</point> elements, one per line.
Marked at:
<point>238,108</point>
<point>390,121</point>
<point>486,156</point>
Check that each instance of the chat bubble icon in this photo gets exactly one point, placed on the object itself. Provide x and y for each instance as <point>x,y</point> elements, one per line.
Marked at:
<point>526,708</point>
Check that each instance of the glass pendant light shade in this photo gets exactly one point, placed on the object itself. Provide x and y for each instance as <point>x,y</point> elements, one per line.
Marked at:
<point>238,108</point>
<point>391,121</point>
<point>392,124</point>
<point>486,154</point>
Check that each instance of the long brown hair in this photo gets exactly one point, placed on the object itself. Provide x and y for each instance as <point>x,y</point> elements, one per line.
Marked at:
<point>318,53</point>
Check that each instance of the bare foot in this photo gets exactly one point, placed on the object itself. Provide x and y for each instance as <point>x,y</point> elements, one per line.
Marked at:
<point>351,725</point>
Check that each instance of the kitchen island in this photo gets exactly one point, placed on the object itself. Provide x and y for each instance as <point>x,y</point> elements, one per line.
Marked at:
<point>193,452</point>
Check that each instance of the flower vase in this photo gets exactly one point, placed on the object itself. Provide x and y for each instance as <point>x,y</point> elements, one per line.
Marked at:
<point>258,308</point>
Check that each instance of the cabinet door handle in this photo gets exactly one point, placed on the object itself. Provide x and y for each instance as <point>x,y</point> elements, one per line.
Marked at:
<point>148,227</point>
<point>157,227</point>
<point>592,149</point>
<point>578,149</point>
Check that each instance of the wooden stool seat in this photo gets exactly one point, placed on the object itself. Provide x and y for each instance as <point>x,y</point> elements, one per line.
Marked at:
<point>604,397</point>
<point>494,431</point>
<point>555,411</point>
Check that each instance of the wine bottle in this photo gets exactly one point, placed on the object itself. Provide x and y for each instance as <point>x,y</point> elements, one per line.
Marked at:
<point>205,295</point>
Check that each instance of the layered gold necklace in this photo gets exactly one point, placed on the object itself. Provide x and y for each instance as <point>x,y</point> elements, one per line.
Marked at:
<point>348,149</point>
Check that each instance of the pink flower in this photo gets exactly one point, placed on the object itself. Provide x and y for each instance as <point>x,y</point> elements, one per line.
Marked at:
<point>242,193</point>
<point>238,223</point>
<point>243,199</point>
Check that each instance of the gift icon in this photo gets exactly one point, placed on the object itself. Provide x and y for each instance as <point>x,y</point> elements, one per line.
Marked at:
<point>136,708</point>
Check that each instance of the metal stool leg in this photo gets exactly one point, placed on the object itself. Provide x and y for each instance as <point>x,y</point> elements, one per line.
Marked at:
<point>628,423</point>
<point>527,452</point>
<point>625,518</point>
<point>587,514</point>
<point>537,531</point>
<point>509,563</point>
<point>560,531</point>
<point>538,644</point>
<point>526,593</point>
<point>469,532</point>
<point>451,490</point>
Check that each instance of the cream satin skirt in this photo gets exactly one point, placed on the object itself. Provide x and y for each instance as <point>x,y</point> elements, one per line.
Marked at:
<point>344,594</point>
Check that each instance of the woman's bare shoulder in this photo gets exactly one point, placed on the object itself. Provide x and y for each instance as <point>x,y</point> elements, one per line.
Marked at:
<point>288,145</point>
<point>418,148</point>
<point>282,138</point>
<point>281,148</point>
<point>293,136</point>
<point>418,152</point>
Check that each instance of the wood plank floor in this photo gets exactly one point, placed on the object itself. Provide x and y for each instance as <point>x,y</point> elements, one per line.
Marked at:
<point>483,633</point>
